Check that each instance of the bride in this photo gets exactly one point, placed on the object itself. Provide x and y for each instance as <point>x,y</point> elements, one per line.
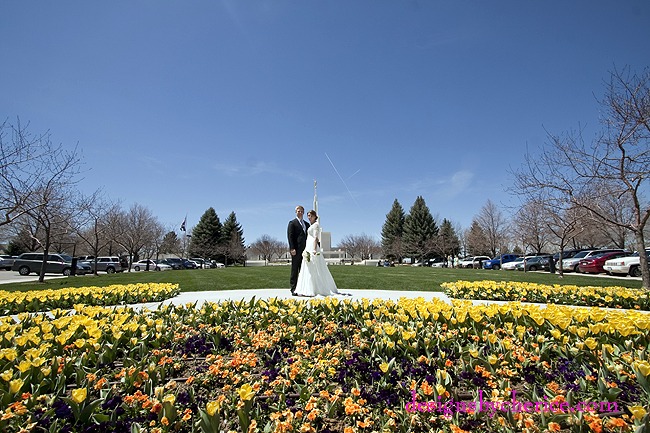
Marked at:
<point>314,277</point>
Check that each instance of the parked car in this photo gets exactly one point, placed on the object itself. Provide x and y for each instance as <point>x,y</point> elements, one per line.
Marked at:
<point>595,263</point>
<point>534,263</point>
<point>472,262</point>
<point>571,265</point>
<point>27,263</point>
<point>566,254</point>
<point>211,264</point>
<point>438,263</point>
<point>202,263</point>
<point>110,265</point>
<point>510,266</point>
<point>141,265</point>
<point>174,262</point>
<point>625,265</point>
<point>83,268</point>
<point>6,262</point>
<point>189,264</point>
<point>498,261</point>
<point>477,262</point>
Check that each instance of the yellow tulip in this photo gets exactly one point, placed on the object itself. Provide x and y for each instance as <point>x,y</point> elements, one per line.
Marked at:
<point>24,366</point>
<point>591,343</point>
<point>169,398</point>
<point>643,367</point>
<point>79,395</point>
<point>9,354</point>
<point>246,392</point>
<point>383,367</point>
<point>474,353</point>
<point>638,412</point>
<point>212,407</point>
<point>440,389</point>
<point>492,359</point>
<point>389,329</point>
<point>15,385</point>
<point>6,375</point>
<point>407,335</point>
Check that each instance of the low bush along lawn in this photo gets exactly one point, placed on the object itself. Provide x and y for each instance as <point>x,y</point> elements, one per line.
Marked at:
<point>323,365</point>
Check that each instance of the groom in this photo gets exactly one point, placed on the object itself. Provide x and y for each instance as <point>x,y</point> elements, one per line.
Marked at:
<point>297,235</point>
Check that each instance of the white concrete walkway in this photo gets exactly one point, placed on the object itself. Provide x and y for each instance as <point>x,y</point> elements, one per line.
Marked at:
<point>227,295</point>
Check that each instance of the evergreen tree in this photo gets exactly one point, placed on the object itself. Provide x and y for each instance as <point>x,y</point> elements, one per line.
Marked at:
<point>448,243</point>
<point>420,230</point>
<point>170,244</point>
<point>392,232</point>
<point>233,239</point>
<point>206,236</point>
<point>477,240</point>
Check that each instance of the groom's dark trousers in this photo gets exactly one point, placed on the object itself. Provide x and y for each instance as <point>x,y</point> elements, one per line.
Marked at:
<point>297,241</point>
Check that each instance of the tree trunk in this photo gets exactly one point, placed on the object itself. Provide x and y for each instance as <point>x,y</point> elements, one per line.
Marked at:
<point>643,259</point>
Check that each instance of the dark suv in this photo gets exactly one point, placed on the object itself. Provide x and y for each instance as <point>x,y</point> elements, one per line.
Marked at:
<point>174,262</point>
<point>6,262</point>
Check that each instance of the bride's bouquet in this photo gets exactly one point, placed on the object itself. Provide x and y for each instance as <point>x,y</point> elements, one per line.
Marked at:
<point>307,255</point>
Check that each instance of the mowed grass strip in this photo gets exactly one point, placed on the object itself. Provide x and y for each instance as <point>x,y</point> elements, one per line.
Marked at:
<point>347,277</point>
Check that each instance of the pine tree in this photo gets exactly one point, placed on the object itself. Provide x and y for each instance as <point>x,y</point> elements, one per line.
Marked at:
<point>232,241</point>
<point>206,235</point>
<point>170,244</point>
<point>477,241</point>
<point>448,242</point>
<point>420,230</point>
<point>392,232</point>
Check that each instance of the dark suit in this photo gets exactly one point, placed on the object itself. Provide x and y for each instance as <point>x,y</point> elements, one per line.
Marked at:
<point>297,241</point>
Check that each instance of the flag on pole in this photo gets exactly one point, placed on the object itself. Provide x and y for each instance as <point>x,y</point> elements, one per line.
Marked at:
<point>183,224</point>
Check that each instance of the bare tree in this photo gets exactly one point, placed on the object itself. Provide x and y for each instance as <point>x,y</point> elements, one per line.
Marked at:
<point>493,223</point>
<point>617,209</point>
<point>141,231</point>
<point>51,202</point>
<point>93,228</point>
<point>29,164</point>
<point>531,225</point>
<point>266,247</point>
<point>616,164</point>
<point>362,246</point>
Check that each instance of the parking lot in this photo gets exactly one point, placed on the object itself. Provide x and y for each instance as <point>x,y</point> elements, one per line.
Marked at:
<point>14,277</point>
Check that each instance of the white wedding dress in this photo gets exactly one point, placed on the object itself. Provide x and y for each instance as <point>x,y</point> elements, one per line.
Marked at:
<point>314,277</point>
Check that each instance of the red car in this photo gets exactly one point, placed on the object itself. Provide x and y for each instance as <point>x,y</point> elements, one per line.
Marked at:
<point>594,264</point>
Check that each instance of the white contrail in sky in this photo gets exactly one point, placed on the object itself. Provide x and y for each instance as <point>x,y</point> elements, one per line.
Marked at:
<point>339,175</point>
<point>354,174</point>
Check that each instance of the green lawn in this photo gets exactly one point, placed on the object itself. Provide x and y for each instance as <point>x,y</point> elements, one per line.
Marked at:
<point>347,277</point>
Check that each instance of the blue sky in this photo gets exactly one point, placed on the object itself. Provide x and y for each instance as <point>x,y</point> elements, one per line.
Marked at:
<point>240,105</point>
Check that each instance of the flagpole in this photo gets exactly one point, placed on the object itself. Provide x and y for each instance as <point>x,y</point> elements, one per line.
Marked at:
<point>315,199</point>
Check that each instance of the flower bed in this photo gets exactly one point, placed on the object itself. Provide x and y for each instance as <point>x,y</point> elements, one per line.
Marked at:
<point>609,297</point>
<point>320,366</point>
<point>44,300</point>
